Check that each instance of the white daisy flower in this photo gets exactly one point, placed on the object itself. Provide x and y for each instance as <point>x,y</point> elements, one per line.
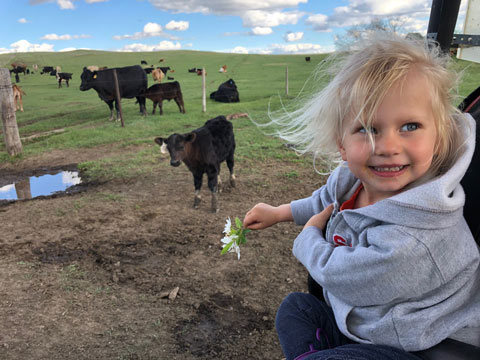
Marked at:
<point>228,226</point>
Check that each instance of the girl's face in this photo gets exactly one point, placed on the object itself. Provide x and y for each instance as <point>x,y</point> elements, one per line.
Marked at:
<point>405,135</point>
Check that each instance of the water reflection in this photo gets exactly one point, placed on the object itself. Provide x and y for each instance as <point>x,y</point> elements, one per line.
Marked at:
<point>44,185</point>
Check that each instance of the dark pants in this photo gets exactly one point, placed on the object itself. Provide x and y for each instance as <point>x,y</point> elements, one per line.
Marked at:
<point>307,329</point>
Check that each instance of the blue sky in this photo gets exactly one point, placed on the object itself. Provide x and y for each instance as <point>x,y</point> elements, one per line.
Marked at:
<point>241,26</point>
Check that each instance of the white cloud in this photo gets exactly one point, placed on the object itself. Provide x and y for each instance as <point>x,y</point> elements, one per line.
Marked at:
<point>262,30</point>
<point>67,49</point>
<point>222,7</point>
<point>22,21</point>
<point>302,48</point>
<point>360,12</point>
<point>65,4</point>
<point>254,13</point>
<point>319,22</point>
<point>269,18</point>
<point>239,50</point>
<point>161,46</point>
<point>55,37</point>
<point>293,36</point>
<point>71,178</point>
<point>177,25</point>
<point>25,46</point>
<point>149,30</point>
<point>7,188</point>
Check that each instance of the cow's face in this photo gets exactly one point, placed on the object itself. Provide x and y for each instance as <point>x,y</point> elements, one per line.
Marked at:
<point>177,146</point>
<point>88,77</point>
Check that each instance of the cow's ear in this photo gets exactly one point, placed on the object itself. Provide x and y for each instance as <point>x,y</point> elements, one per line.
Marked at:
<point>190,137</point>
<point>163,145</point>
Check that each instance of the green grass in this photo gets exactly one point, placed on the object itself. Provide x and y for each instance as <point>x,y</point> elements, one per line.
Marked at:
<point>84,117</point>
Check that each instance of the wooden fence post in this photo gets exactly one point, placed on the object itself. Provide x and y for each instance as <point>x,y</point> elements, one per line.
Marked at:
<point>204,92</point>
<point>286,80</point>
<point>7,110</point>
<point>117,95</point>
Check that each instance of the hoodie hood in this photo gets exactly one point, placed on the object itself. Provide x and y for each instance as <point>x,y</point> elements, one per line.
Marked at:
<point>437,203</point>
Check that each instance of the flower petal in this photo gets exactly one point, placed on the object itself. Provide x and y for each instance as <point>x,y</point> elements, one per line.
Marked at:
<point>228,226</point>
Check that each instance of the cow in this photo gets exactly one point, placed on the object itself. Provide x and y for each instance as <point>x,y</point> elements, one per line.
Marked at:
<point>202,151</point>
<point>132,82</point>
<point>192,70</point>
<point>223,69</point>
<point>143,62</point>
<point>19,68</point>
<point>170,78</point>
<point>17,97</point>
<point>200,72</point>
<point>165,69</point>
<point>96,68</point>
<point>148,70</point>
<point>227,92</point>
<point>47,69</point>
<point>93,68</point>
<point>307,58</point>
<point>63,76</point>
<point>158,75</point>
<point>166,91</point>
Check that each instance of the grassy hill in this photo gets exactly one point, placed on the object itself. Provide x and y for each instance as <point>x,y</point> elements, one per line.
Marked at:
<point>84,117</point>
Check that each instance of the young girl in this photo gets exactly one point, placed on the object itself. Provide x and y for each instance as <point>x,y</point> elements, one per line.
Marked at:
<point>385,237</point>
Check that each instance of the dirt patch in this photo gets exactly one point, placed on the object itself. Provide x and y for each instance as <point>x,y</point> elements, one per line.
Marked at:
<point>88,275</point>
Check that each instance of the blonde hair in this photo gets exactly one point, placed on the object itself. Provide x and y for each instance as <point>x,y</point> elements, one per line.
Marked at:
<point>361,79</point>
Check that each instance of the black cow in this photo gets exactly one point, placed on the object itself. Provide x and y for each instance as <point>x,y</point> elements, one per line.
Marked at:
<point>164,69</point>
<point>203,150</point>
<point>227,92</point>
<point>63,76</point>
<point>166,91</point>
<point>132,82</point>
<point>143,62</point>
<point>47,69</point>
<point>19,68</point>
<point>307,58</point>
<point>148,70</point>
<point>192,70</point>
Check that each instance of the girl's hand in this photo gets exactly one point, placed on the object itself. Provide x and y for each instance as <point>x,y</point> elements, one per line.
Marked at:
<point>263,215</point>
<point>320,220</point>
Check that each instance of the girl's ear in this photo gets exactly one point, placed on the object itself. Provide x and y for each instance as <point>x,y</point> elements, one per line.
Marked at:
<point>341,149</point>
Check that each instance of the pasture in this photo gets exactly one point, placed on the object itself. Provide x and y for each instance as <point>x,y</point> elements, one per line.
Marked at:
<point>125,268</point>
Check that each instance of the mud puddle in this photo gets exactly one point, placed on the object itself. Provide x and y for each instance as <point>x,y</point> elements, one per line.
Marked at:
<point>38,183</point>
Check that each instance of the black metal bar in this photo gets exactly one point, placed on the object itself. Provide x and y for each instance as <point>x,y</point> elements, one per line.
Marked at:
<point>465,39</point>
<point>443,17</point>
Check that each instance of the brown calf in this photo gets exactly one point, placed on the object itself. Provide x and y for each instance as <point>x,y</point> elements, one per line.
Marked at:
<point>166,91</point>
<point>17,97</point>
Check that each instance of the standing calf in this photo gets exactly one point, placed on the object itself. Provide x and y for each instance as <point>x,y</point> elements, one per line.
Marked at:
<point>17,97</point>
<point>202,150</point>
<point>166,91</point>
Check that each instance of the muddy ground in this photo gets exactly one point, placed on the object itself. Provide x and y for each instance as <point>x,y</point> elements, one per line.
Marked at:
<point>95,274</point>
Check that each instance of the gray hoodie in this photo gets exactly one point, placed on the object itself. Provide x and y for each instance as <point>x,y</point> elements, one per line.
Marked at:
<point>408,274</point>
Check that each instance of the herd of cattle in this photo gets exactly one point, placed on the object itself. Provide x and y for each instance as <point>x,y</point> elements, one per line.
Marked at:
<point>201,150</point>
<point>132,83</point>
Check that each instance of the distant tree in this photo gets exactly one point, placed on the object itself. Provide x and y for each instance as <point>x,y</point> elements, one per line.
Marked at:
<point>355,33</point>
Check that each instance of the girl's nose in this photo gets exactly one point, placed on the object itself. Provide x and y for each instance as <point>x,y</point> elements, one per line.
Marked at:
<point>387,144</point>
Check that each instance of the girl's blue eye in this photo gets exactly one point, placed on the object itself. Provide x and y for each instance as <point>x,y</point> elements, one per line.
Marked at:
<point>410,127</point>
<point>363,130</point>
